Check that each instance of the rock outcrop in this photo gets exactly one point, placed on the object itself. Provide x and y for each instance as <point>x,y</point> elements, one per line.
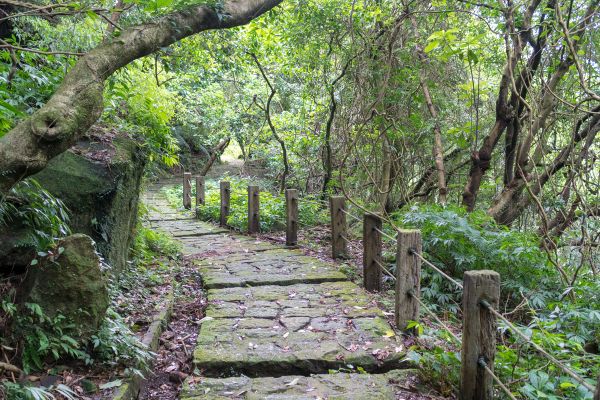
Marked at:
<point>99,181</point>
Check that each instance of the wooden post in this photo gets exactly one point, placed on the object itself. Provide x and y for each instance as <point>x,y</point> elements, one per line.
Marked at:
<point>200,192</point>
<point>291,207</point>
<point>187,190</point>
<point>225,196</point>
<point>479,334</point>
<point>372,252</point>
<point>338,226</point>
<point>597,394</point>
<point>253,209</point>
<point>408,277</point>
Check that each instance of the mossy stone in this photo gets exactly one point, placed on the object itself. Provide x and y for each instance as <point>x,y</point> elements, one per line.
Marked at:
<point>74,285</point>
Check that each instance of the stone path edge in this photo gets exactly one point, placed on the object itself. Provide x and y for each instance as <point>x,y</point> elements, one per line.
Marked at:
<point>131,389</point>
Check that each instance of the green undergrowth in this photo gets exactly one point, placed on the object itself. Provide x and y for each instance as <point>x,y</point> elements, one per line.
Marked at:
<point>272,206</point>
<point>43,343</point>
<point>558,317</point>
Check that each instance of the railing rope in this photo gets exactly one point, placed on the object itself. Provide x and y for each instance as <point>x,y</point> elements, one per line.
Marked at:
<point>485,304</point>
<point>439,271</point>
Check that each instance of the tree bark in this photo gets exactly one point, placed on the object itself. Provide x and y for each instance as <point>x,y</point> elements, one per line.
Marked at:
<point>267,111</point>
<point>505,112</point>
<point>217,151</point>
<point>78,102</point>
<point>438,148</point>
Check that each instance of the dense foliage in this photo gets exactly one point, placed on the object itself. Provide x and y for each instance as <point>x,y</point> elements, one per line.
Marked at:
<point>475,122</point>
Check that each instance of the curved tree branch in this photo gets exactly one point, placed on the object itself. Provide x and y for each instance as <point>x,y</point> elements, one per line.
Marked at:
<point>78,102</point>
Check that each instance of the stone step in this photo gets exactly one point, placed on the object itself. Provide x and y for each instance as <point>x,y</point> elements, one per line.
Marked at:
<point>297,329</point>
<point>187,227</point>
<point>349,386</point>
<point>269,267</point>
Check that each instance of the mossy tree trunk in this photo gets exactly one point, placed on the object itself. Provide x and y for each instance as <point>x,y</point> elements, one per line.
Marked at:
<point>78,102</point>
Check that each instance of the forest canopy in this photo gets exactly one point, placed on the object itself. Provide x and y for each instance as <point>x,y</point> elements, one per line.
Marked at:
<point>475,121</point>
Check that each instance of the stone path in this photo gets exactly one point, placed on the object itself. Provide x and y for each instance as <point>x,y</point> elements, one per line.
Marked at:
<point>279,322</point>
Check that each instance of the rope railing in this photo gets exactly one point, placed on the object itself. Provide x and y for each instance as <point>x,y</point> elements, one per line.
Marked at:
<point>435,317</point>
<point>436,269</point>
<point>351,215</point>
<point>480,289</point>
<point>385,234</point>
<point>481,362</point>
<point>385,270</point>
<point>540,350</point>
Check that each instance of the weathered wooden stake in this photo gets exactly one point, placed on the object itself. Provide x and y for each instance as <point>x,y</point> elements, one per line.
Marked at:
<point>225,196</point>
<point>200,192</point>
<point>408,277</point>
<point>597,394</point>
<point>338,226</point>
<point>372,252</point>
<point>291,207</point>
<point>253,209</point>
<point>479,334</point>
<point>187,190</point>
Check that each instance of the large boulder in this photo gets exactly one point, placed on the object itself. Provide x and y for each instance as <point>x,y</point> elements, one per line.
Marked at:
<point>73,285</point>
<point>99,181</point>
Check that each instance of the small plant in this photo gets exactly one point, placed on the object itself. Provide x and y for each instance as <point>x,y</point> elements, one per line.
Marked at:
<point>149,243</point>
<point>45,217</point>
<point>116,344</point>
<point>41,336</point>
<point>21,391</point>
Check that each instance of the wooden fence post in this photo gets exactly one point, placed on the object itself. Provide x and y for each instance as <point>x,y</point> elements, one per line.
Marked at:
<point>225,196</point>
<point>338,226</point>
<point>253,209</point>
<point>479,334</point>
<point>200,192</point>
<point>291,207</point>
<point>372,224</point>
<point>187,190</point>
<point>408,277</point>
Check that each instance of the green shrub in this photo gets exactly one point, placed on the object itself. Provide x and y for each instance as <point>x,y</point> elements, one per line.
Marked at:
<point>457,241</point>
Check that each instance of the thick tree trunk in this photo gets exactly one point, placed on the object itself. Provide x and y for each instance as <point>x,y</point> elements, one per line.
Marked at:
<point>505,109</point>
<point>78,101</point>
<point>510,204</point>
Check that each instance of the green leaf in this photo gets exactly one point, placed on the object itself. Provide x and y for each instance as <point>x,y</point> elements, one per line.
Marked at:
<point>110,385</point>
<point>432,46</point>
<point>11,108</point>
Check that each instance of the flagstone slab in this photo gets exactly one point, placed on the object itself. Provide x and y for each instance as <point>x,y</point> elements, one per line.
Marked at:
<point>187,227</point>
<point>301,300</point>
<point>213,245</point>
<point>335,386</point>
<point>269,267</point>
